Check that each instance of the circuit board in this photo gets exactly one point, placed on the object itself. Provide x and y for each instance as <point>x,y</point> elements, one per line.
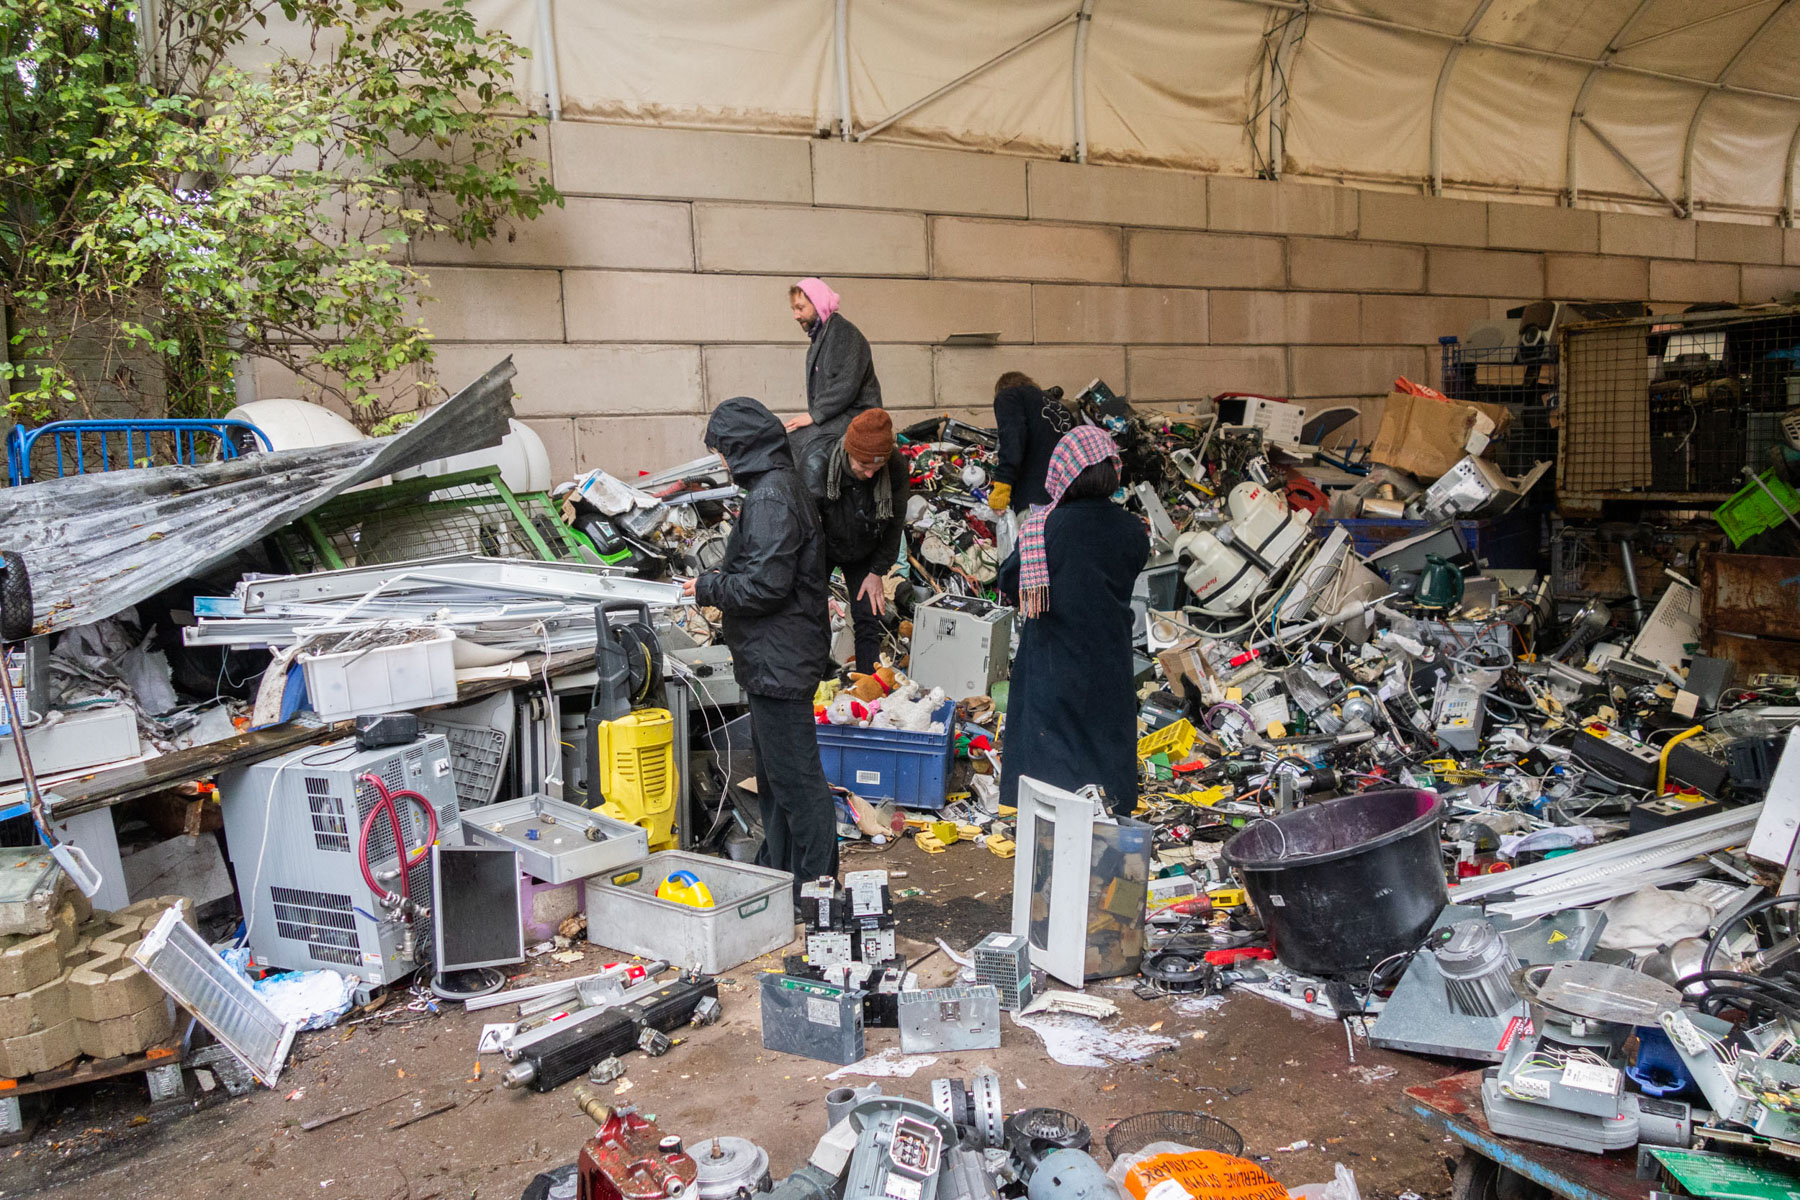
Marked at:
<point>1725,1177</point>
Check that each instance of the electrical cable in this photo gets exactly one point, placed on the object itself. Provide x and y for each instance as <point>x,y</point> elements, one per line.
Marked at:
<point>407,863</point>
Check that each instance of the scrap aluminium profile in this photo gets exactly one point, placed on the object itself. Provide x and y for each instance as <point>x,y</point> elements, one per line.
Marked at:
<point>15,627</point>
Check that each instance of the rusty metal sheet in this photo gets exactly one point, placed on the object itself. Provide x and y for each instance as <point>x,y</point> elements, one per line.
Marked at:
<point>97,544</point>
<point>1755,594</point>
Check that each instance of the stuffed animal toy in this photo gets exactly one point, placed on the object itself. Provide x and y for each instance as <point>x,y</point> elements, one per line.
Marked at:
<point>865,687</point>
<point>849,709</point>
<point>907,709</point>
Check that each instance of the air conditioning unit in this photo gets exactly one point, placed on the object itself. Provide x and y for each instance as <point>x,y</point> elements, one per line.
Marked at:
<point>293,824</point>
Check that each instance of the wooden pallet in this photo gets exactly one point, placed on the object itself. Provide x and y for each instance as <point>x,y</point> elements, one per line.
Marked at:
<point>160,1065</point>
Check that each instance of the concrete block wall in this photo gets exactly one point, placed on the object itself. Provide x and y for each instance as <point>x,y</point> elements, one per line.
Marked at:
<point>660,288</point>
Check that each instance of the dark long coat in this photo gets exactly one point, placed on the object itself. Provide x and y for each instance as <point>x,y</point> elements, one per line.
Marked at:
<point>1071,715</point>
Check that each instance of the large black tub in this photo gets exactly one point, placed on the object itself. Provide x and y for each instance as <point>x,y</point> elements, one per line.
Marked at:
<point>1345,883</point>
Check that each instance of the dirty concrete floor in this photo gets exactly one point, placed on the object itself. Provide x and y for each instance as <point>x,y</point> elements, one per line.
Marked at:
<point>1278,1076</point>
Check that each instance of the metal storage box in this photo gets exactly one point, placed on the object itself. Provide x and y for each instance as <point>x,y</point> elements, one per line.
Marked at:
<point>962,644</point>
<point>752,913</point>
<point>563,850</point>
<point>812,1019</point>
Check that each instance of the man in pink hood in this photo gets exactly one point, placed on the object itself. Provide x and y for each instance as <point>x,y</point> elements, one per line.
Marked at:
<point>840,374</point>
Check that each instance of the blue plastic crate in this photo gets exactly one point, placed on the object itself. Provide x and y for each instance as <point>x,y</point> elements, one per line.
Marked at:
<point>911,769</point>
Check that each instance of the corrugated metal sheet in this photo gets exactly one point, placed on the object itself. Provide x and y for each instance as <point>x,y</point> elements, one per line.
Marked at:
<point>97,544</point>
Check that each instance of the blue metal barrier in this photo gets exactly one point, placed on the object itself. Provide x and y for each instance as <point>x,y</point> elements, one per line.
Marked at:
<point>89,446</point>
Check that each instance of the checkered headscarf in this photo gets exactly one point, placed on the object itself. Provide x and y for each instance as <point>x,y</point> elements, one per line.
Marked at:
<point>1082,447</point>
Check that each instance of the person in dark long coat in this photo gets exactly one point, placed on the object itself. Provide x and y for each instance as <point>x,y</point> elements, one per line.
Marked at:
<point>840,370</point>
<point>1030,422</point>
<point>771,589</point>
<point>1071,716</point>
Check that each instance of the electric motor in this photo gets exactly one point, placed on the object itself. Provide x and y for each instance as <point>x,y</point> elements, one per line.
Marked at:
<point>1477,967</point>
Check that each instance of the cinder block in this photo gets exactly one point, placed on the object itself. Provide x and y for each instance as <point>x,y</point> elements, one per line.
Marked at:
<point>106,983</point>
<point>493,304</point>
<point>870,175</point>
<point>1205,260</point>
<point>1692,282</point>
<point>965,376</point>
<point>1340,266</point>
<point>1651,237</point>
<point>1596,277</point>
<point>1122,314</point>
<point>1156,373</point>
<point>131,1033</point>
<point>1791,247</point>
<point>559,442</point>
<point>776,375</point>
<point>1279,318</point>
<point>1355,370</point>
<point>678,164</point>
<point>1117,195</point>
<point>969,249</point>
<point>657,306</point>
<point>1762,284</point>
<point>930,310</point>
<point>1543,227</point>
<point>145,913</point>
<point>1421,320</point>
<point>583,232</point>
<point>30,961</point>
<point>1399,217</point>
<point>579,379</point>
<point>40,1008</point>
<point>1266,206</point>
<point>809,241</point>
<point>629,446</point>
<point>1727,241</point>
<point>1486,273</point>
<point>37,1052</point>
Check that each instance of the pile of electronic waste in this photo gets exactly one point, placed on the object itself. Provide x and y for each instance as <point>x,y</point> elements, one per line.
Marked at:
<point>963,1145</point>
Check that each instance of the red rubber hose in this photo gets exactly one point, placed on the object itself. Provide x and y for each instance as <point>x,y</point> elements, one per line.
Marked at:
<point>407,860</point>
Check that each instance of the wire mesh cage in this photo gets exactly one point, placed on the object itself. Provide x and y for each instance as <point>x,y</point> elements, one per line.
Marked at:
<point>1196,1129</point>
<point>1522,378</point>
<point>1673,408</point>
<point>471,512</point>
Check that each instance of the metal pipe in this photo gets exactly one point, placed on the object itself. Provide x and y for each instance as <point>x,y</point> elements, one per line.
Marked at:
<point>1631,582</point>
<point>1084,17</point>
<point>1578,109</point>
<point>552,81</point>
<point>1528,51</point>
<point>1633,167</point>
<point>995,61</point>
<point>1693,129</point>
<point>1787,178</point>
<point>842,41</point>
<point>1443,88</point>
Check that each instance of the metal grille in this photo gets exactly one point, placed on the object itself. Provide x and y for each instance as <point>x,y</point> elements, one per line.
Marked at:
<point>321,919</point>
<point>1675,408</point>
<point>330,830</point>
<point>476,758</point>
<point>221,999</point>
<point>471,512</point>
<point>1587,562</point>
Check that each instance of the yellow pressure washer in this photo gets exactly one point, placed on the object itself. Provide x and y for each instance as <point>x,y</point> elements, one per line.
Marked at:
<point>631,770</point>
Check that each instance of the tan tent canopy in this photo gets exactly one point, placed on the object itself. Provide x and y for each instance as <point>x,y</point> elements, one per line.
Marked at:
<point>1659,105</point>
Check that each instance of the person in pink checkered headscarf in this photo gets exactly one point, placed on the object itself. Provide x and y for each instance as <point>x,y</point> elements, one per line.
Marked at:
<point>1071,716</point>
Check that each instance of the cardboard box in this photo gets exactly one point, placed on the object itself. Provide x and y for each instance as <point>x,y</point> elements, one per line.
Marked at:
<point>1426,438</point>
<point>1182,667</point>
<point>1514,375</point>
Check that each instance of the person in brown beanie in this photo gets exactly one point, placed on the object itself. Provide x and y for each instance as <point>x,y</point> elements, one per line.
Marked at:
<point>860,483</point>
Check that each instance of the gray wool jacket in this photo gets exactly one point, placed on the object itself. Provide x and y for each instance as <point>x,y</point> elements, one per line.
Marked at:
<point>840,376</point>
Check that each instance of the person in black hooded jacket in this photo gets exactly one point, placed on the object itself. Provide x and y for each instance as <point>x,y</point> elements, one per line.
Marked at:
<point>771,590</point>
<point>1030,422</point>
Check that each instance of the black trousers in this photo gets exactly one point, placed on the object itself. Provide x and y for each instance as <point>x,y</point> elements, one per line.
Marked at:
<point>865,626</point>
<point>798,814</point>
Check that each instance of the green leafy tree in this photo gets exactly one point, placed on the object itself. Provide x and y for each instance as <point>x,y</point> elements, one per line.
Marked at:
<point>226,178</point>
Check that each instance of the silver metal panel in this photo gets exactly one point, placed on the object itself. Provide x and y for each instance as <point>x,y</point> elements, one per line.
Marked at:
<point>952,1018</point>
<point>573,843</point>
<point>293,823</point>
<point>184,966</point>
<point>494,577</point>
<point>97,544</point>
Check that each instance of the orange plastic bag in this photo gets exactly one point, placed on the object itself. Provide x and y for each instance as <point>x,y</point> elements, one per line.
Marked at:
<point>1403,384</point>
<point>1201,1175</point>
